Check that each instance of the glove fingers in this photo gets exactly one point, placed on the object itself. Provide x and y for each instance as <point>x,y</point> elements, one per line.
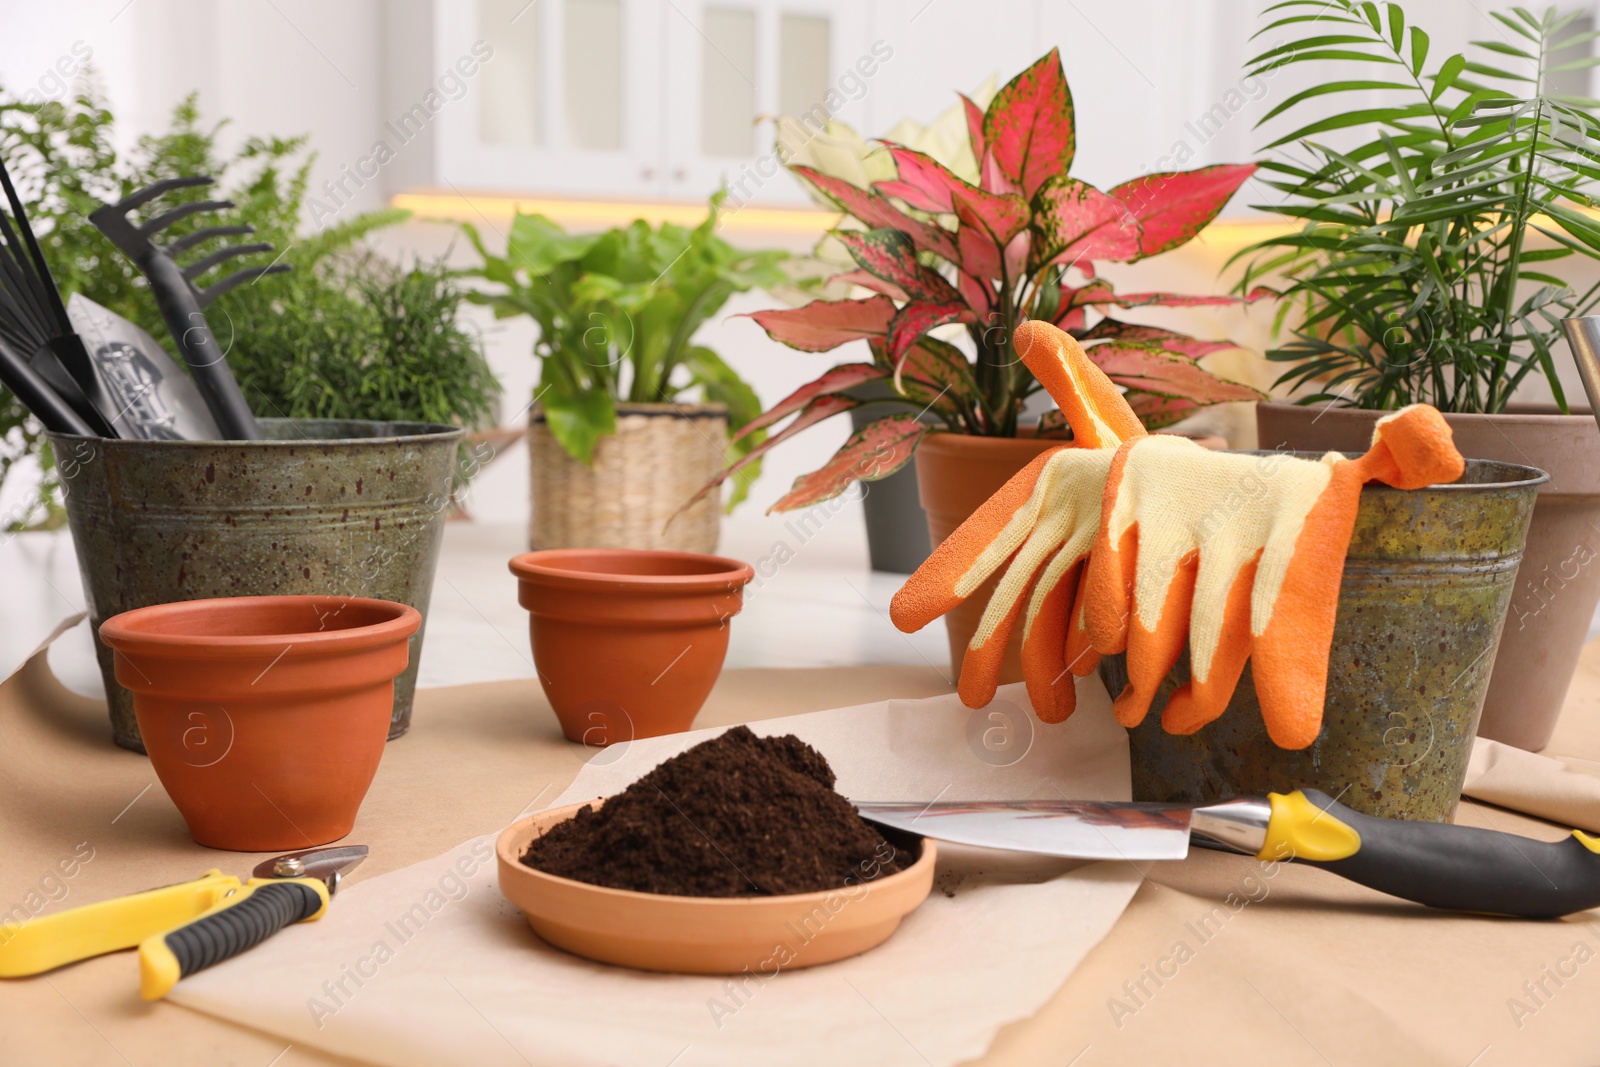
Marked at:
<point>981,664</point>
<point>1051,687</point>
<point>965,559</point>
<point>1099,416</point>
<point>1206,695</point>
<point>1112,567</point>
<point>1079,654</point>
<point>1290,657</point>
<point>1412,448</point>
<point>1153,652</point>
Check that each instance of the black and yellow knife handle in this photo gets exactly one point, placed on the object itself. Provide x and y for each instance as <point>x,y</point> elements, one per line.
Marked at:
<point>1462,868</point>
<point>260,908</point>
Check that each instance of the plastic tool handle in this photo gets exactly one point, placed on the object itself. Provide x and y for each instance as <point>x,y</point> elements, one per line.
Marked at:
<point>1462,868</point>
<point>260,909</point>
<point>205,357</point>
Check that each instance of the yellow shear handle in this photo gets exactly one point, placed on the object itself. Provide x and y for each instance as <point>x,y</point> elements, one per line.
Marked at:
<point>51,941</point>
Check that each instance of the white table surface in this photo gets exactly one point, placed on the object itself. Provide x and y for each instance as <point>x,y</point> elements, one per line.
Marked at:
<point>823,607</point>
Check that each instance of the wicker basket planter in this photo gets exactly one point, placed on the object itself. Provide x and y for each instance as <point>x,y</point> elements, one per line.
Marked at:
<point>642,474</point>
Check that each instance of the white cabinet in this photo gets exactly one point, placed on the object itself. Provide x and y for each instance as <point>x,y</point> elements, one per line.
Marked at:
<point>626,98</point>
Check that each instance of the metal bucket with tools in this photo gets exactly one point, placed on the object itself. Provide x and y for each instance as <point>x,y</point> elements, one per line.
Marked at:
<point>1426,587</point>
<point>320,507</point>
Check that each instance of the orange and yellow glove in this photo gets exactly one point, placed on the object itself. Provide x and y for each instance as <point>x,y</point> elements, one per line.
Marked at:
<point>1239,556</point>
<point>1043,521</point>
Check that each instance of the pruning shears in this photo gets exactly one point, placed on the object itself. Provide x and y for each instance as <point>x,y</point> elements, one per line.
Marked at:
<point>184,928</point>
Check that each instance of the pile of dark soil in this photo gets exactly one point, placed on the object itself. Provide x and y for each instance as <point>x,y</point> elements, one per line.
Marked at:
<point>736,816</point>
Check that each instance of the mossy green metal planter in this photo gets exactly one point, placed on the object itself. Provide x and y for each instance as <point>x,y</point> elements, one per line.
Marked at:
<point>1426,586</point>
<point>325,507</point>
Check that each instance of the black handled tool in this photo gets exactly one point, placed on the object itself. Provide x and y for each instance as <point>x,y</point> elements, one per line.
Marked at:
<point>182,302</point>
<point>285,890</point>
<point>44,362</point>
<point>1462,868</point>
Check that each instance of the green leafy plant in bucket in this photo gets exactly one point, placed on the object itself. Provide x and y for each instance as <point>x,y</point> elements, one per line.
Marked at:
<point>345,335</point>
<point>617,314</point>
<point>1420,267</point>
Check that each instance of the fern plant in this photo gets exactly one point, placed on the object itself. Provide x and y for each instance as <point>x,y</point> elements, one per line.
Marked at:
<point>1422,259</point>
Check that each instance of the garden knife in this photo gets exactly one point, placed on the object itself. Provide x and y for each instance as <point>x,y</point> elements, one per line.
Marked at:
<point>1462,868</point>
<point>183,928</point>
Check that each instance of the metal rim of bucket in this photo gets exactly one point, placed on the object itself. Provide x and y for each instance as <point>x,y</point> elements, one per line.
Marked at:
<point>415,431</point>
<point>1529,477</point>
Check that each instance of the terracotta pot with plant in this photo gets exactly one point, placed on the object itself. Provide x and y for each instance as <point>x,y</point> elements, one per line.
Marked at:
<point>630,416</point>
<point>953,262</point>
<point>1423,270</point>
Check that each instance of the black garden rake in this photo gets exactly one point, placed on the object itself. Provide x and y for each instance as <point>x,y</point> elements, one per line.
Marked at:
<point>181,300</point>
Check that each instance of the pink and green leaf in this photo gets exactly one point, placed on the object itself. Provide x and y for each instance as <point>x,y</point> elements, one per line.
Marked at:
<point>839,379</point>
<point>873,452</point>
<point>1149,369</point>
<point>875,210</point>
<point>1079,223</point>
<point>824,324</point>
<point>914,320</point>
<point>823,407</point>
<point>1159,411</point>
<point>1173,207</point>
<point>1171,340</point>
<point>935,363</point>
<point>870,281</point>
<point>1029,128</point>
<point>889,254</point>
<point>974,127</point>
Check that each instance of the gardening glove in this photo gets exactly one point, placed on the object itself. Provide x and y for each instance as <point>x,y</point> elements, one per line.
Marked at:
<point>1043,521</point>
<point>1240,556</point>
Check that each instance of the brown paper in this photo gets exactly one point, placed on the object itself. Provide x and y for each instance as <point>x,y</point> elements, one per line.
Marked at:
<point>1316,971</point>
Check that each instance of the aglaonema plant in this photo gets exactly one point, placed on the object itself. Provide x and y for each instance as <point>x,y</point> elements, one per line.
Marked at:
<point>938,253</point>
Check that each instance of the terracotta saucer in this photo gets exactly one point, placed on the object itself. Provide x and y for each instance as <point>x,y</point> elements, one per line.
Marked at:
<point>706,935</point>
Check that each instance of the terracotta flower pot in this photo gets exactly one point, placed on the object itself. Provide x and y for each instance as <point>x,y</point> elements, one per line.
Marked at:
<point>628,643</point>
<point>957,473</point>
<point>265,717</point>
<point>1558,584</point>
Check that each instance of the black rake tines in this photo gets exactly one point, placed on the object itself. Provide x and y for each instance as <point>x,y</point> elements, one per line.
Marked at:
<point>42,360</point>
<point>179,296</point>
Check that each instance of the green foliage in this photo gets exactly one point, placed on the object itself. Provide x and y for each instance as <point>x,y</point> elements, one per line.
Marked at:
<point>357,337</point>
<point>1412,265</point>
<point>617,314</point>
<point>343,335</point>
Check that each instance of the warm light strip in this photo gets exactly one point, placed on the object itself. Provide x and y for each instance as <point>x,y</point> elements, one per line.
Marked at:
<point>585,214</point>
<point>605,213</point>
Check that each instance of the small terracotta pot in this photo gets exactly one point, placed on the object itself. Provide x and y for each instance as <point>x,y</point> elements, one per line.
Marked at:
<point>628,643</point>
<point>264,717</point>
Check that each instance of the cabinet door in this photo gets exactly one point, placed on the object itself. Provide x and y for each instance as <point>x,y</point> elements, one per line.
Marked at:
<point>569,102</point>
<point>734,64</point>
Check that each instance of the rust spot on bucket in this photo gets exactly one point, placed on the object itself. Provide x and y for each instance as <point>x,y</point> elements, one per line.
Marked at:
<point>211,473</point>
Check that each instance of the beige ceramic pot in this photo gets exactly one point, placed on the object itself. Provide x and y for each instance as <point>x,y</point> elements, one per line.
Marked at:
<point>1558,584</point>
<point>706,935</point>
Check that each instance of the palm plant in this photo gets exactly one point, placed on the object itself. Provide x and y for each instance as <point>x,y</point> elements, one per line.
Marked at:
<point>1417,266</point>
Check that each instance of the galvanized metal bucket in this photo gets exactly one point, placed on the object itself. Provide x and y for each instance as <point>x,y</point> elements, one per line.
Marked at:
<point>322,506</point>
<point>1426,586</point>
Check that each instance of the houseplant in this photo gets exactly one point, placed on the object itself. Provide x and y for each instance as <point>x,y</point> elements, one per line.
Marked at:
<point>1421,271</point>
<point>942,255</point>
<point>345,335</point>
<point>629,414</point>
